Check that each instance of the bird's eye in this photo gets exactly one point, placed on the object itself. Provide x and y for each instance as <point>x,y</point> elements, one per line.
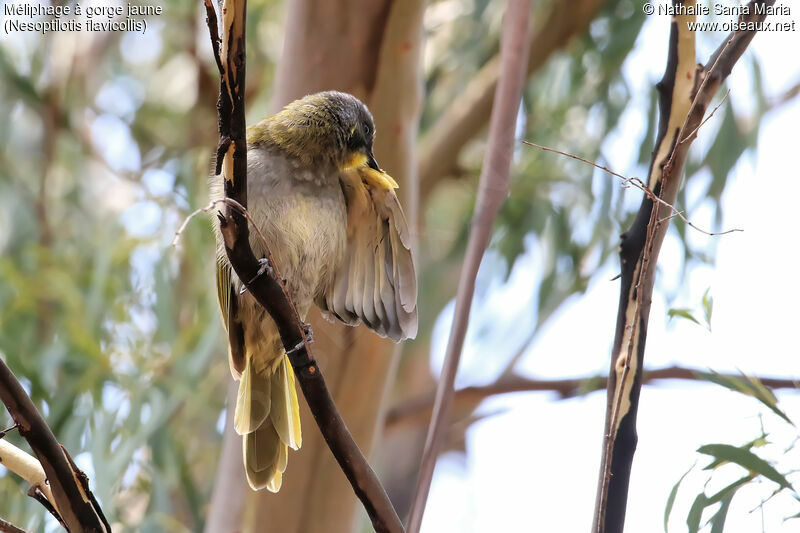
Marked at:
<point>367,130</point>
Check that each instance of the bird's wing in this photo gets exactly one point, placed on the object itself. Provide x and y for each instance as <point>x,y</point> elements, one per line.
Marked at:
<point>376,282</point>
<point>229,309</point>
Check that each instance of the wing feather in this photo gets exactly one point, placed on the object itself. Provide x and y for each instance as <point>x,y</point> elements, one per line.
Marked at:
<point>376,282</point>
<point>229,309</point>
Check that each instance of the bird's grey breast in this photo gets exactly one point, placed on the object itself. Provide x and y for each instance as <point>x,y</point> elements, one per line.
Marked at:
<point>302,214</point>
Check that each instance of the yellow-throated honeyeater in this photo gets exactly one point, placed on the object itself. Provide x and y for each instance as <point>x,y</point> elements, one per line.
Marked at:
<point>339,238</point>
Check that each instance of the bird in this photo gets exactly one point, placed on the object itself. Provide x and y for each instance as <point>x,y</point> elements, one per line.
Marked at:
<point>338,237</point>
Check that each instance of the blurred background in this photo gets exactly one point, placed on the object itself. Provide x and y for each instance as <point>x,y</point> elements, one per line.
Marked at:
<point>115,333</point>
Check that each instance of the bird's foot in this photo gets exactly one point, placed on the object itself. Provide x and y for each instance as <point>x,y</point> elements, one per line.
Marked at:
<point>264,267</point>
<point>309,333</point>
<point>308,339</point>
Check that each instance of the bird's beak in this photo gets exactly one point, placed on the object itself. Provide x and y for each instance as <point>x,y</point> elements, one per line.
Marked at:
<point>371,162</point>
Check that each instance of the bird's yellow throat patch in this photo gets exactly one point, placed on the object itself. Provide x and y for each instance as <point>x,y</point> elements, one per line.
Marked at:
<point>375,178</point>
<point>357,160</point>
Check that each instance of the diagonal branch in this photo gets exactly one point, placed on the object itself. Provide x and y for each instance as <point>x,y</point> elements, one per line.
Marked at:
<point>491,194</point>
<point>70,498</point>
<point>685,91</point>
<point>267,287</point>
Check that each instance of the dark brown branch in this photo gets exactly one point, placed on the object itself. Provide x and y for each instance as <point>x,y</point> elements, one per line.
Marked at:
<point>492,190</point>
<point>418,410</point>
<point>685,92</point>
<point>267,287</point>
<point>75,508</point>
<point>36,493</point>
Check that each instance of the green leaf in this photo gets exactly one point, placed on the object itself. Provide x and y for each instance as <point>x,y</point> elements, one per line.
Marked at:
<point>747,460</point>
<point>682,313</point>
<point>718,520</point>
<point>750,386</point>
<point>755,443</point>
<point>702,501</point>
<point>671,499</point>
<point>696,513</point>
<point>708,306</point>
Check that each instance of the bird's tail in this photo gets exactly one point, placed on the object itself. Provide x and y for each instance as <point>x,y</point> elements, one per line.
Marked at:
<point>267,417</point>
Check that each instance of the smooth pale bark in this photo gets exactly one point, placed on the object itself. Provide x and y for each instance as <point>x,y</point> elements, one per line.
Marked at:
<point>372,50</point>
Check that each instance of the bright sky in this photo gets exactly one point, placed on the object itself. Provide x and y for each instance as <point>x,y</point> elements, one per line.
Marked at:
<point>535,466</point>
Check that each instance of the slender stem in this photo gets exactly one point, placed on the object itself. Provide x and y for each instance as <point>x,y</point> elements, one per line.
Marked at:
<point>491,194</point>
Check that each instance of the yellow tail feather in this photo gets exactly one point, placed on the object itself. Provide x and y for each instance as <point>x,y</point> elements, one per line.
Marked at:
<point>269,433</point>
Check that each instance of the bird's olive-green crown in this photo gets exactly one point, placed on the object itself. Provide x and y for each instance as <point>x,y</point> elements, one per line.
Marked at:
<point>327,128</point>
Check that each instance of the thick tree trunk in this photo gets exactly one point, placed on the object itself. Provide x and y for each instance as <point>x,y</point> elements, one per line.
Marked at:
<point>370,49</point>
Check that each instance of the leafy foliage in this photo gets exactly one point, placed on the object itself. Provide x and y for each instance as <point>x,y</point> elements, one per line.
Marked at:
<point>744,457</point>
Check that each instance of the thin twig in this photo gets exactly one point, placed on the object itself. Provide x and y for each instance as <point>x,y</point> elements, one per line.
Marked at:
<point>639,184</point>
<point>491,193</point>
<point>695,100</point>
<point>210,207</point>
<point>686,139</point>
<point>8,527</point>
<point>36,493</point>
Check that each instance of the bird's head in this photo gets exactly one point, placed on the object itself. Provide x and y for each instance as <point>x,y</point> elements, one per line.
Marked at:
<point>327,128</point>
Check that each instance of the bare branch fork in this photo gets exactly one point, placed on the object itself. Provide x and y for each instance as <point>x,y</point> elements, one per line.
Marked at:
<point>685,94</point>
<point>492,190</point>
<point>56,482</point>
<point>266,286</point>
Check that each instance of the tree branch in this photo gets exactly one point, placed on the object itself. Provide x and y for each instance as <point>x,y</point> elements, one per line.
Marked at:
<point>491,194</point>
<point>418,410</point>
<point>466,116</point>
<point>267,287</point>
<point>7,527</point>
<point>70,498</point>
<point>25,466</point>
<point>685,91</point>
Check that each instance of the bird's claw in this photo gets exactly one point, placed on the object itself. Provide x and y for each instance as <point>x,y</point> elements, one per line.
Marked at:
<point>308,339</point>
<point>309,333</point>
<point>264,267</point>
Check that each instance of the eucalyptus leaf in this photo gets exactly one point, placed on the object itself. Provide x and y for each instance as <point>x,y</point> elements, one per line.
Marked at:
<point>747,460</point>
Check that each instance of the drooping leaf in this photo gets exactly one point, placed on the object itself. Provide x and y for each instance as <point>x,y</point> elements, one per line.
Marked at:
<point>682,313</point>
<point>718,520</point>
<point>696,513</point>
<point>747,460</point>
<point>750,386</point>
<point>708,306</point>
<point>671,498</point>
<point>702,502</point>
